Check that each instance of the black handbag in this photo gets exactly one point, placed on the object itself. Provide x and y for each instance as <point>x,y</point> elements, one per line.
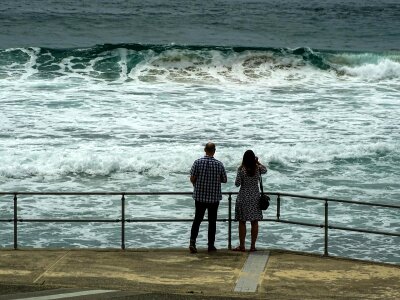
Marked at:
<point>264,198</point>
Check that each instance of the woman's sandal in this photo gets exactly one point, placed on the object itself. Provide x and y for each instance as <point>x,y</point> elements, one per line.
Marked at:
<point>253,249</point>
<point>240,249</point>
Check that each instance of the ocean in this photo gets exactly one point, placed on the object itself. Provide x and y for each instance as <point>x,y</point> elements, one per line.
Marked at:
<point>119,96</point>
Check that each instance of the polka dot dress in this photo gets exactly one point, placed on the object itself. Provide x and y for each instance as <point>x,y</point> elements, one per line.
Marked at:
<point>247,207</point>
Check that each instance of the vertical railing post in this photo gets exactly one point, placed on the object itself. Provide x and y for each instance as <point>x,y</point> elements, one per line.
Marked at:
<point>123,222</point>
<point>326,229</point>
<point>230,221</point>
<point>15,222</point>
<point>278,207</point>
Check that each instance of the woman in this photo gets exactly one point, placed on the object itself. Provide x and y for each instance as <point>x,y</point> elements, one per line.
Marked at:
<point>247,206</point>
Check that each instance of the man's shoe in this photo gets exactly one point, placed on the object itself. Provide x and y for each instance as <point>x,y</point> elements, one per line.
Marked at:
<point>212,249</point>
<point>192,248</point>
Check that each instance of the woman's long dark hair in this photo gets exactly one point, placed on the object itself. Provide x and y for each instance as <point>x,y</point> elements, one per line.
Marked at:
<point>249,163</point>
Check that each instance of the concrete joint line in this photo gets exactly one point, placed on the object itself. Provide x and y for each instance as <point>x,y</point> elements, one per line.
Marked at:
<point>51,266</point>
<point>251,273</point>
<point>68,295</point>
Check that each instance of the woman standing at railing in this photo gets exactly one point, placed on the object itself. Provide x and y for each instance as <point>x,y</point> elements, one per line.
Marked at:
<point>247,202</point>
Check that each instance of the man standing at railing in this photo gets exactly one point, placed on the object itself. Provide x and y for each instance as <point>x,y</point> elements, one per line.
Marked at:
<point>206,175</point>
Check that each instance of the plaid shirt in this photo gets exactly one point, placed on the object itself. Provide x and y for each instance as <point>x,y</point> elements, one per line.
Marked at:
<point>209,174</point>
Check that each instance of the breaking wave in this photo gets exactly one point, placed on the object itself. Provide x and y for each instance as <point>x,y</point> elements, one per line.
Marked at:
<point>155,63</point>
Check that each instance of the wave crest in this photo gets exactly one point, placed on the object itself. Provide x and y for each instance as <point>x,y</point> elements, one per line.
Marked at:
<point>96,163</point>
<point>123,62</point>
<point>384,69</point>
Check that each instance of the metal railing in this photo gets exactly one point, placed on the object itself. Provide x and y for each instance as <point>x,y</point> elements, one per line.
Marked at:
<point>123,219</point>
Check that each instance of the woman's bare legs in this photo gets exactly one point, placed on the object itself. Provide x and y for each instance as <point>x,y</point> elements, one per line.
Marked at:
<point>242,234</point>
<point>254,234</point>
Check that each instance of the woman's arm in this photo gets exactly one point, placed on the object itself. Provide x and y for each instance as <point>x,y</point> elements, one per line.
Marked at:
<point>262,168</point>
<point>238,180</point>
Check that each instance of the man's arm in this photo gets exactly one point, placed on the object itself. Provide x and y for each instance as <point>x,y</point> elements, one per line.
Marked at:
<point>193,171</point>
<point>193,179</point>
<point>224,178</point>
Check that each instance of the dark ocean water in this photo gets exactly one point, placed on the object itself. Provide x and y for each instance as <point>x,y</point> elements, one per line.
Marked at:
<point>359,25</point>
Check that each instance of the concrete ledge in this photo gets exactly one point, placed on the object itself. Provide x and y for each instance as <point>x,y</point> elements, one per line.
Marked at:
<point>287,275</point>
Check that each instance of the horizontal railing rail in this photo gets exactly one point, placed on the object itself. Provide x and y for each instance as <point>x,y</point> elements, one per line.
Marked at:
<point>123,219</point>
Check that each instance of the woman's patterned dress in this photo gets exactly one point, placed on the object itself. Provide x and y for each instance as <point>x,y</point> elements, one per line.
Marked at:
<point>247,206</point>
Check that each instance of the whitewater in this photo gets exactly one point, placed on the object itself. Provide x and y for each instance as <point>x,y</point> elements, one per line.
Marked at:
<point>134,117</point>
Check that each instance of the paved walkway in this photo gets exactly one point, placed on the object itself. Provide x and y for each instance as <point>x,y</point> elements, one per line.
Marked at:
<point>176,274</point>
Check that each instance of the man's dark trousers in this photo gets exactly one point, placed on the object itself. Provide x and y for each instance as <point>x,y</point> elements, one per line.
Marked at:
<point>201,208</point>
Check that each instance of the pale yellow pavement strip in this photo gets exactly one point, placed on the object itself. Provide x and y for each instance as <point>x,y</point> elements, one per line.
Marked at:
<point>251,272</point>
<point>68,295</point>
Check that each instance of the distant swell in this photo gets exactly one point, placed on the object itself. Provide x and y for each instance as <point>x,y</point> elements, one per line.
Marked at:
<point>116,62</point>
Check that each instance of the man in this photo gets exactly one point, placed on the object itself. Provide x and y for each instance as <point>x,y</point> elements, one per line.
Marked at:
<point>206,175</point>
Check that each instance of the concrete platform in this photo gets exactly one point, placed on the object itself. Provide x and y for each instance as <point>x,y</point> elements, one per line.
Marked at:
<point>176,274</point>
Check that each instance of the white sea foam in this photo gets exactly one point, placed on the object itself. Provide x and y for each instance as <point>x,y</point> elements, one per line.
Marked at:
<point>382,69</point>
<point>139,126</point>
<point>184,66</point>
<point>95,161</point>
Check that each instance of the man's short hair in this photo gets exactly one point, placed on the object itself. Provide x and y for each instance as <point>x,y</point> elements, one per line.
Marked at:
<point>209,147</point>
